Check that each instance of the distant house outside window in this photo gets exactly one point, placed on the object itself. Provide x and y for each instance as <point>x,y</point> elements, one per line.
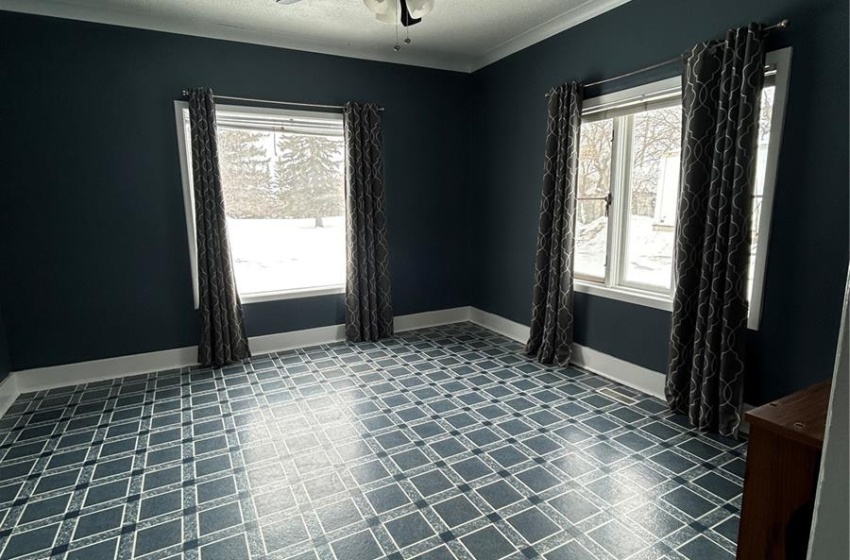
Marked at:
<point>283,176</point>
<point>628,189</point>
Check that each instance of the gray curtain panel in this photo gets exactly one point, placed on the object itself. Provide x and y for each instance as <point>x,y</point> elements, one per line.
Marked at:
<point>721,100</point>
<point>368,301</point>
<point>223,339</point>
<point>551,335</point>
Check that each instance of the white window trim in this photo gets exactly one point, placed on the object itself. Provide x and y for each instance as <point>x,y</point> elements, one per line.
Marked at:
<point>646,299</point>
<point>188,198</point>
<point>293,294</point>
<point>781,60</point>
<point>189,201</point>
<point>612,286</point>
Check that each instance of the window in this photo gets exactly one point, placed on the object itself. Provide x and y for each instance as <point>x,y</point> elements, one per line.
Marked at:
<point>283,178</point>
<point>629,161</point>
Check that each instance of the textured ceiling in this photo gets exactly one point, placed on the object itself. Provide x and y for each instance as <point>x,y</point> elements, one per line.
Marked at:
<point>458,34</point>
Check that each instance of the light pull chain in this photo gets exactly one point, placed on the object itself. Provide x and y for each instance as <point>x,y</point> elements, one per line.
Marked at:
<point>397,47</point>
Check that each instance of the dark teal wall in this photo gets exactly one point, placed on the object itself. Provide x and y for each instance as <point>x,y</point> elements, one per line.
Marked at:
<point>92,225</point>
<point>808,249</point>
<point>5,366</point>
<point>92,229</point>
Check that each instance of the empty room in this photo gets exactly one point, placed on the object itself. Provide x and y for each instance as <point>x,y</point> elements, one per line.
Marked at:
<point>424,279</point>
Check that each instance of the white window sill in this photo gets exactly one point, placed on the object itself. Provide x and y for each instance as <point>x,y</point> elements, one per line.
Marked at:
<point>292,294</point>
<point>629,296</point>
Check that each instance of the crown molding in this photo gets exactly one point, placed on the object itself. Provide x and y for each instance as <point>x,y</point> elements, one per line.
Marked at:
<point>575,16</point>
<point>56,8</point>
<point>52,8</point>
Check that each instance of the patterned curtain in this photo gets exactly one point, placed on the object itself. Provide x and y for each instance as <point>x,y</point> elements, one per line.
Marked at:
<point>223,338</point>
<point>368,302</point>
<point>551,335</point>
<point>722,92</point>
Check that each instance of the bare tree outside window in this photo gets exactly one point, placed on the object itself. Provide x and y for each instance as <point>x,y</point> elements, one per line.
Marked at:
<point>656,137</point>
<point>594,184</point>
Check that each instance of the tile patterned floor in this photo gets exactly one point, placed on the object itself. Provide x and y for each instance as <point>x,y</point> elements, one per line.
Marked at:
<point>441,443</point>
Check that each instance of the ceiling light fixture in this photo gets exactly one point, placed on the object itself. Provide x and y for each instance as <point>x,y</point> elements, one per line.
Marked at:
<point>405,12</point>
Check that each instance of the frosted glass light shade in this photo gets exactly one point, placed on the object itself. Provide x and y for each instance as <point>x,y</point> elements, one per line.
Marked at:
<point>389,17</point>
<point>419,8</point>
<point>387,10</point>
<point>381,7</point>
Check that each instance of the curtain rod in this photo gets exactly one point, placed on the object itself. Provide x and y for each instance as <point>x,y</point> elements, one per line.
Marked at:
<point>778,26</point>
<point>269,102</point>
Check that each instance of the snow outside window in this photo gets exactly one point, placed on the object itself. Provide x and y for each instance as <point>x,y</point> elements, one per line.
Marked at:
<point>627,192</point>
<point>283,175</point>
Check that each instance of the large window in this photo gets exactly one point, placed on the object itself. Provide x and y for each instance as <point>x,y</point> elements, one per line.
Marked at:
<point>629,163</point>
<point>283,178</point>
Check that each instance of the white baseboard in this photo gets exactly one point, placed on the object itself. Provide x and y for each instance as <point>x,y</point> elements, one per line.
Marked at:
<point>745,426</point>
<point>431,319</point>
<point>8,393</point>
<point>626,373</point>
<point>52,377</point>
<point>39,379</point>
<point>279,342</point>
<point>499,324</point>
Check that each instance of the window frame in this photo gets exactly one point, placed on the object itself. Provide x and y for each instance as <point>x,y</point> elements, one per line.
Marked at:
<point>649,96</point>
<point>181,109</point>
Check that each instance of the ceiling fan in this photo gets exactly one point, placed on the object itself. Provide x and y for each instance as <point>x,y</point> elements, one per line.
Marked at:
<point>405,12</point>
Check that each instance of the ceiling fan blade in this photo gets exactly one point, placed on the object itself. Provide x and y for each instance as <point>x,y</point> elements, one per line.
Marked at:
<point>406,19</point>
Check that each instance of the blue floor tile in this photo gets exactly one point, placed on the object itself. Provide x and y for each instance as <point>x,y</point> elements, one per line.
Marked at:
<point>159,537</point>
<point>457,511</point>
<point>439,443</point>
<point>98,522</point>
<point>570,551</point>
<point>703,549</point>
<point>573,506</point>
<point>689,502</point>
<point>488,544</point>
<point>409,529</point>
<point>285,534</point>
<point>43,509</point>
<point>103,550</point>
<point>219,518</point>
<point>338,515</point>
<point>226,549</point>
<point>533,525</point>
<point>387,498</point>
<point>29,542</point>
<point>162,504</point>
<point>615,538</point>
<point>654,519</point>
<point>362,546</point>
<point>499,494</point>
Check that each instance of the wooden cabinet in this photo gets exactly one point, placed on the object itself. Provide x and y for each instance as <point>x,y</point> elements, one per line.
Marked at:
<point>783,460</point>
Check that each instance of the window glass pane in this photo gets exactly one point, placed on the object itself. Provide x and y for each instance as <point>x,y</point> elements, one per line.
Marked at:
<point>284,201</point>
<point>594,183</point>
<point>594,159</point>
<point>653,193</point>
<point>591,239</point>
<point>761,168</point>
